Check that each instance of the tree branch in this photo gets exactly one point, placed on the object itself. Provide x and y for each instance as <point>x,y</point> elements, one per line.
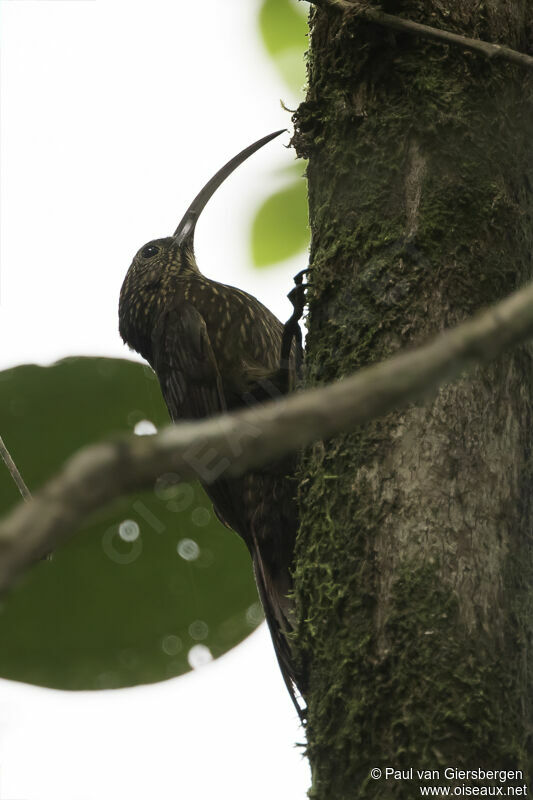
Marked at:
<point>15,474</point>
<point>487,49</point>
<point>231,444</point>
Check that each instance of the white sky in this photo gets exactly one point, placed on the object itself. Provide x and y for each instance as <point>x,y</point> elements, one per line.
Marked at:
<point>113,115</point>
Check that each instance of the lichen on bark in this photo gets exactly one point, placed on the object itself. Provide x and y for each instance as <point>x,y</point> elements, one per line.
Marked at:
<point>414,565</point>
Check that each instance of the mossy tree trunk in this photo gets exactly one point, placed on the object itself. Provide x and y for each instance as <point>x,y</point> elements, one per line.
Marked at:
<point>414,569</point>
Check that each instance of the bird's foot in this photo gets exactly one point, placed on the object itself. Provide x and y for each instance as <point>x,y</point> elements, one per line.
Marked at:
<point>297,295</point>
<point>292,333</point>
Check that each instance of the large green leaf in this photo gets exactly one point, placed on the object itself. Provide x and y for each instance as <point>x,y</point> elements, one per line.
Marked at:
<point>147,586</point>
<point>284,29</point>
<point>280,228</point>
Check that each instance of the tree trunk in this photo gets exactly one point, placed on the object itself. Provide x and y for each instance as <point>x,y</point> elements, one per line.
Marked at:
<point>414,567</point>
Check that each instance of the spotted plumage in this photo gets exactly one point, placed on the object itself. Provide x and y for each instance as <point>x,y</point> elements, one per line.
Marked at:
<point>216,348</point>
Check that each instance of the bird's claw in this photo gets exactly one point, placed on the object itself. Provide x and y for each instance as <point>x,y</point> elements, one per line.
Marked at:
<point>297,295</point>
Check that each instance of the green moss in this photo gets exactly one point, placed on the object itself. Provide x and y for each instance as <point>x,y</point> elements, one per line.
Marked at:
<point>432,676</point>
<point>419,688</point>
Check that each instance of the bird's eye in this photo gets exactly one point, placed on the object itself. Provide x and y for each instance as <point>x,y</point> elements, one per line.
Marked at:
<point>149,251</point>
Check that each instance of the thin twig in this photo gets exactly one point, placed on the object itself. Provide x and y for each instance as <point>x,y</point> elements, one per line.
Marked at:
<point>487,49</point>
<point>231,444</point>
<point>15,474</point>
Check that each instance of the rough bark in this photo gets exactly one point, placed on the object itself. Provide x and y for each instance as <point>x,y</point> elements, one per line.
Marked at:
<point>414,568</point>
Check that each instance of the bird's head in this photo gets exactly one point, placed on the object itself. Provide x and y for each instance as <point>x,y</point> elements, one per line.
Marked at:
<point>151,278</point>
<point>157,260</point>
<point>149,282</point>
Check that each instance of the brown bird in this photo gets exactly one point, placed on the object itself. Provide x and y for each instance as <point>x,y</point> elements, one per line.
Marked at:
<point>215,348</point>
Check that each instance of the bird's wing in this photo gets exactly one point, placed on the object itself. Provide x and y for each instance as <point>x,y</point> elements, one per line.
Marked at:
<point>191,384</point>
<point>185,364</point>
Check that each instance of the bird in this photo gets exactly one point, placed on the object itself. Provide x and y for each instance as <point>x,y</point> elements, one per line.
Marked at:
<point>214,349</point>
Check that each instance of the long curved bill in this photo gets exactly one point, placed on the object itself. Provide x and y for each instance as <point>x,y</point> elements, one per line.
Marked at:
<point>185,230</point>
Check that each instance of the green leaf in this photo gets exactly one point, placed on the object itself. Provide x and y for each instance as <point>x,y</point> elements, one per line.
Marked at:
<point>109,610</point>
<point>280,228</point>
<point>284,28</point>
